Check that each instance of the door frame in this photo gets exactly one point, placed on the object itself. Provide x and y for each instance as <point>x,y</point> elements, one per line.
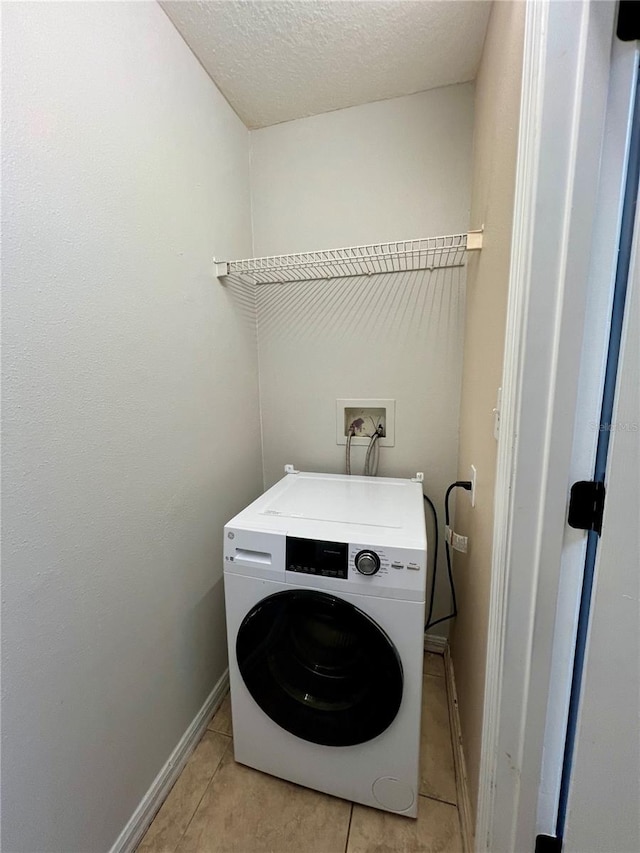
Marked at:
<point>566,67</point>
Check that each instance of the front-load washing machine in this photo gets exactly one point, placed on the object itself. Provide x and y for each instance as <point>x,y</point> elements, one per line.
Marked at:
<point>325,579</point>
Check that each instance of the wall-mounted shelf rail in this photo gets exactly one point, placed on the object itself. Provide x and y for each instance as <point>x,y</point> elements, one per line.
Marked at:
<point>424,253</point>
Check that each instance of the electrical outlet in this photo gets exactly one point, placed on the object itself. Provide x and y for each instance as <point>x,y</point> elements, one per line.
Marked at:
<point>365,416</point>
<point>455,540</point>
<point>473,476</point>
<point>459,543</point>
<point>496,415</point>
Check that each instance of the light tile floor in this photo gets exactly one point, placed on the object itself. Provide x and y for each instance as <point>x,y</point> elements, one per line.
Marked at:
<point>218,806</point>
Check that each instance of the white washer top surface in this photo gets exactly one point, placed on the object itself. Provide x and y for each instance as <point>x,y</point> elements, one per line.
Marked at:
<point>336,507</point>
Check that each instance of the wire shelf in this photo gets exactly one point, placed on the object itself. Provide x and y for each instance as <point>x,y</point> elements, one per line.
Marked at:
<point>424,253</point>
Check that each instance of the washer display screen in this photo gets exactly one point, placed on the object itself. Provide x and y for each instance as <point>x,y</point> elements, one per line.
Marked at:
<point>320,667</point>
<point>313,557</point>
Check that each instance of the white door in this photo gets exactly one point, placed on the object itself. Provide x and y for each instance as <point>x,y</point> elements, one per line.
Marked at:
<point>603,812</point>
<point>573,151</point>
<point>595,437</point>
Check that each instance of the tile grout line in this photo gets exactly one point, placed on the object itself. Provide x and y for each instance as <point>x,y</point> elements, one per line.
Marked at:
<point>451,743</point>
<point>207,786</point>
<point>455,767</point>
<point>462,791</point>
<point>461,828</point>
<point>438,800</point>
<point>346,843</point>
<point>453,746</point>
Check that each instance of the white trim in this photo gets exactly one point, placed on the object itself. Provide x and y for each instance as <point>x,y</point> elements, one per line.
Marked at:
<point>140,820</point>
<point>434,644</point>
<point>522,242</point>
<point>462,781</point>
<point>565,78</point>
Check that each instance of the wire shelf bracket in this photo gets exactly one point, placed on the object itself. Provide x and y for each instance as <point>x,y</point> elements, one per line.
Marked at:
<point>424,253</point>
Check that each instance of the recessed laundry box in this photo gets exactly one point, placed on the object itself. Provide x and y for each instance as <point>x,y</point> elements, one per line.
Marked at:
<point>325,579</point>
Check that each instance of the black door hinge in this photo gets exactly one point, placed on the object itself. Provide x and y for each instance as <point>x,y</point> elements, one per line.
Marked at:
<point>548,844</point>
<point>586,505</point>
<point>628,28</point>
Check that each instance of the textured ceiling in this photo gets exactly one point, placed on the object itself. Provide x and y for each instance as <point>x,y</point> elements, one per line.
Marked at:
<point>277,60</point>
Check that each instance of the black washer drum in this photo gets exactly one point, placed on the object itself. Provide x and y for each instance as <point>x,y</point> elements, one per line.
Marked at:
<point>320,668</point>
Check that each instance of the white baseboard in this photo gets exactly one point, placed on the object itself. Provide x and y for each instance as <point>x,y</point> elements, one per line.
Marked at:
<point>436,645</point>
<point>462,785</point>
<point>137,825</point>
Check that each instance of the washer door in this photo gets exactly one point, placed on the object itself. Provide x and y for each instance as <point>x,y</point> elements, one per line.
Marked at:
<point>320,668</point>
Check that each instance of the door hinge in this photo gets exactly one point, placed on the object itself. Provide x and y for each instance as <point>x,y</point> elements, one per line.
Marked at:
<point>548,844</point>
<point>586,505</point>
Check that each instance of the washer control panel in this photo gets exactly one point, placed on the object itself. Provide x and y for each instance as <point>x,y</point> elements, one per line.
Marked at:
<point>369,561</point>
<point>331,565</point>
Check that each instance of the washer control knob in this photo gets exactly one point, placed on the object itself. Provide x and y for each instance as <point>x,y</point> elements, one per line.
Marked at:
<point>367,562</point>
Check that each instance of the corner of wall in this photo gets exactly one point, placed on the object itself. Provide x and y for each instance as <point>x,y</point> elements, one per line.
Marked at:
<point>497,109</point>
<point>255,302</point>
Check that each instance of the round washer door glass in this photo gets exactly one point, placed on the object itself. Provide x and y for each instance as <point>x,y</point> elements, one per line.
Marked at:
<point>320,668</point>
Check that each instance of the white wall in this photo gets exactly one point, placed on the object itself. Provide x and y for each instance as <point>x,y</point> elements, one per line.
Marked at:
<point>131,426</point>
<point>388,170</point>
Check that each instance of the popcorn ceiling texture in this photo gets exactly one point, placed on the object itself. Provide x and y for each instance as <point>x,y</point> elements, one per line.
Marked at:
<point>277,61</point>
